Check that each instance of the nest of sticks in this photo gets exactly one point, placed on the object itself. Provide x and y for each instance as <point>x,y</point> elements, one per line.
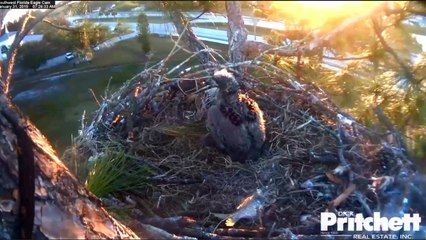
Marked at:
<point>316,158</point>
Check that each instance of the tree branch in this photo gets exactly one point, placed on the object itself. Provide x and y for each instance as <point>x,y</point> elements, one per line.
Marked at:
<point>3,13</point>
<point>312,47</point>
<point>9,63</point>
<point>65,28</point>
<point>405,68</point>
<point>189,37</point>
<point>388,124</point>
<point>417,12</point>
<point>348,58</point>
<point>255,48</point>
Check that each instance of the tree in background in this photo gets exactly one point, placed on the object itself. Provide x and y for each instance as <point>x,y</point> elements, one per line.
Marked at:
<point>124,6</point>
<point>87,34</point>
<point>32,55</point>
<point>143,37</point>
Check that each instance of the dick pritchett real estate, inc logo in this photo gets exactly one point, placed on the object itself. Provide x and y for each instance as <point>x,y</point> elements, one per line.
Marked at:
<point>347,222</point>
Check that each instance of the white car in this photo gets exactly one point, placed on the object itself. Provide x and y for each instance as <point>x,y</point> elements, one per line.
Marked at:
<point>69,56</point>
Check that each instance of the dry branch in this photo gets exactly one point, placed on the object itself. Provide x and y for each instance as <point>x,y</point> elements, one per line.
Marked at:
<point>387,122</point>
<point>183,27</point>
<point>405,68</point>
<point>60,27</point>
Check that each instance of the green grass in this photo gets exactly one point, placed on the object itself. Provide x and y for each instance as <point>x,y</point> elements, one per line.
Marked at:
<point>129,52</point>
<point>114,172</point>
<point>57,114</point>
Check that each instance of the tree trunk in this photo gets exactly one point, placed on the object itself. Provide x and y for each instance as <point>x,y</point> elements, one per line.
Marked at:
<point>189,37</point>
<point>39,197</point>
<point>237,33</point>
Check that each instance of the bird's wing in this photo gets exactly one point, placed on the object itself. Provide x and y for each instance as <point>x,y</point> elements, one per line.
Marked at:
<point>234,138</point>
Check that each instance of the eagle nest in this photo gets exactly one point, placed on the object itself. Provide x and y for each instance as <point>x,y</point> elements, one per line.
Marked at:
<point>316,158</point>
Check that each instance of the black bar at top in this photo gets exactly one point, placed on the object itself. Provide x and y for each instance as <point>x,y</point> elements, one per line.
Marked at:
<point>46,4</point>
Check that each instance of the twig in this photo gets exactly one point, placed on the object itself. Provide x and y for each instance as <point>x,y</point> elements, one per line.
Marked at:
<point>343,196</point>
<point>172,224</point>
<point>240,232</point>
<point>199,233</point>
<point>348,58</point>
<point>387,122</point>
<point>417,12</point>
<point>65,28</point>
<point>107,88</point>
<point>360,197</point>
<point>188,59</point>
<point>172,52</point>
<point>182,26</point>
<point>172,180</point>
<point>405,68</point>
<point>94,96</point>
<point>340,149</point>
<point>151,232</point>
<point>197,17</point>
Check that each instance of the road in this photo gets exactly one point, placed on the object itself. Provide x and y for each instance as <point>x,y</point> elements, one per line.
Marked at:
<point>206,17</point>
<point>61,59</point>
<point>168,28</point>
<point>161,29</point>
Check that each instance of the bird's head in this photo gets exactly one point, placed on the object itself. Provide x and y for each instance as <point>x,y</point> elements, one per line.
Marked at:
<point>225,81</point>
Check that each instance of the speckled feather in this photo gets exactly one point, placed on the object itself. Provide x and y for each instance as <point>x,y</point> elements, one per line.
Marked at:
<point>235,121</point>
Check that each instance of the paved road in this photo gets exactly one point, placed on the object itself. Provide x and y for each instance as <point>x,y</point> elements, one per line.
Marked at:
<point>162,29</point>
<point>61,59</point>
<point>207,17</point>
<point>167,29</point>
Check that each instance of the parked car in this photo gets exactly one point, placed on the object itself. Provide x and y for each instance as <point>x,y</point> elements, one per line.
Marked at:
<point>4,49</point>
<point>69,56</point>
<point>95,48</point>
